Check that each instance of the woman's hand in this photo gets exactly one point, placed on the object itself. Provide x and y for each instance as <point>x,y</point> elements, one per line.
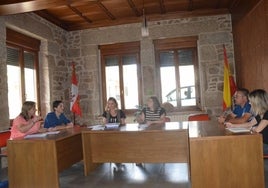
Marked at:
<point>228,124</point>
<point>221,119</point>
<point>37,118</point>
<point>43,130</point>
<point>149,123</point>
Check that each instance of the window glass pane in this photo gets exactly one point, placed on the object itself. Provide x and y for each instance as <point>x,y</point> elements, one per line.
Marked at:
<point>185,57</point>
<point>166,59</point>
<point>130,82</point>
<point>129,59</point>
<point>168,80</point>
<point>187,78</point>
<point>111,61</point>
<point>29,77</point>
<point>14,82</point>
<point>168,85</point>
<point>187,83</point>
<point>112,79</point>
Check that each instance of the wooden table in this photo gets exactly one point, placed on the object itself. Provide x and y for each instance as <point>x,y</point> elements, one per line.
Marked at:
<point>36,162</point>
<point>221,159</point>
<point>218,158</point>
<point>134,144</point>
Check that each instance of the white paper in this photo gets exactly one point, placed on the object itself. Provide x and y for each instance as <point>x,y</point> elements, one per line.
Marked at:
<point>112,125</point>
<point>238,129</point>
<point>38,135</point>
<point>41,135</point>
<point>96,127</point>
<point>53,132</point>
<point>143,126</point>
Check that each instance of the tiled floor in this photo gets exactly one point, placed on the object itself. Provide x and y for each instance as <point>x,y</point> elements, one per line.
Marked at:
<point>132,176</point>
<point>149,175</point>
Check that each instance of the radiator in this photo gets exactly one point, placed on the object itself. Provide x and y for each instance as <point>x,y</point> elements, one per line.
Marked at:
<point>180,117</point>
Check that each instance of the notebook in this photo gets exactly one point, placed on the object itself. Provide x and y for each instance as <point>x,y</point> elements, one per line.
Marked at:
<point>238,129</point>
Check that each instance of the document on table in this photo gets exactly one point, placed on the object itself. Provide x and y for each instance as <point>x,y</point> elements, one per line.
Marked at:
<point>41,135</point>
<point>96,127</point>
<point>238,129</point>
<point>143,126</point>
<point>112,126</point>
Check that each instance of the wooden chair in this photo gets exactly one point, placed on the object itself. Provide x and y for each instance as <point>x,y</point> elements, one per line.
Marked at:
<point>4,136</point>
<point>198,117</point>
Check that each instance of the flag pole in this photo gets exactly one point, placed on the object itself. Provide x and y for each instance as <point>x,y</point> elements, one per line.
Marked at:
<point>74,117</point>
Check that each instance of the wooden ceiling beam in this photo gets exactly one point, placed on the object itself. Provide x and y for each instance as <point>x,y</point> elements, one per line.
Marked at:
<point>107,12</point>
<point>79,14</point>
<point>28,6</point>
<point>8,7</point>
<point>191,5</point>
<point>134,8</point>
<point>56,21</point>
<point>162,7</point>
<point>218,4</point>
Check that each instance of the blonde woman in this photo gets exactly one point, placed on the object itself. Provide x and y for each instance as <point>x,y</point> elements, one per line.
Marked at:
<point>112,114</point>
<point>259,104</point>
<point>27,122</point>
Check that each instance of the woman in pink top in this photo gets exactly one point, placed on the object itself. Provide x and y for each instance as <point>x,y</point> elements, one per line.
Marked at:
<point>27,122</point>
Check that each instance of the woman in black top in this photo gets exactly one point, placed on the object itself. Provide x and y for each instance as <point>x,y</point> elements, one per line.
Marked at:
<point>112,114</point>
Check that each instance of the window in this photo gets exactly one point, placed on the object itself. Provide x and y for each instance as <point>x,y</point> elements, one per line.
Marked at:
<point>177,63</point>
<point>120,73</point>
<point>22,63</point>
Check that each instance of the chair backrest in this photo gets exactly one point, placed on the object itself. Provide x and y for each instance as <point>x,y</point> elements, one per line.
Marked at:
<point>4,136</point>
<point>198,117</point>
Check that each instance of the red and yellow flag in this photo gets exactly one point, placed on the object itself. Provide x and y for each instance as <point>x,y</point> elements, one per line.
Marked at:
<point>74,106</point>
<point>229,86</point>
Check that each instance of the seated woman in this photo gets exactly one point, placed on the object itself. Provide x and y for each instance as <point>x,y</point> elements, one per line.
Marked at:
<point>27,122</point>
<point>56,120</point>
<point>153,113</point>
<point>112,114</point>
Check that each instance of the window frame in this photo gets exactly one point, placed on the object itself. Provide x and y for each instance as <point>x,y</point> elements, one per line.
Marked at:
<point>175,44</point>
<point>31,45</point>
<point>119,50</point>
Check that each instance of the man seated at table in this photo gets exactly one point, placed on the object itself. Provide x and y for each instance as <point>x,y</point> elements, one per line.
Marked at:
<point>56,120</point>
<point>241,112</point>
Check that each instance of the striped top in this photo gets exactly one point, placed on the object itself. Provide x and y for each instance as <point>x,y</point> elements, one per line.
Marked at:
<point>153,115</point>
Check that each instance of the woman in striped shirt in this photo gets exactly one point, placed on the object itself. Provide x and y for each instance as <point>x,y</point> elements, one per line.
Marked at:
<point>153,112</point>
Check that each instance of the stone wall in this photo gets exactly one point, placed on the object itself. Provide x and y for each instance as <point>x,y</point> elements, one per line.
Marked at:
<point>3,79</point>
<point>60,48</point>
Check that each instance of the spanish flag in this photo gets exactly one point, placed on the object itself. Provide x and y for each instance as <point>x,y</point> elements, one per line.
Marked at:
<point>74,106</point>
<point>229,86</point>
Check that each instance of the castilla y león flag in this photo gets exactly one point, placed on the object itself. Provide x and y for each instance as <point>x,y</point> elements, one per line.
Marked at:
<point>75,107</point>
<point>229,86</point>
